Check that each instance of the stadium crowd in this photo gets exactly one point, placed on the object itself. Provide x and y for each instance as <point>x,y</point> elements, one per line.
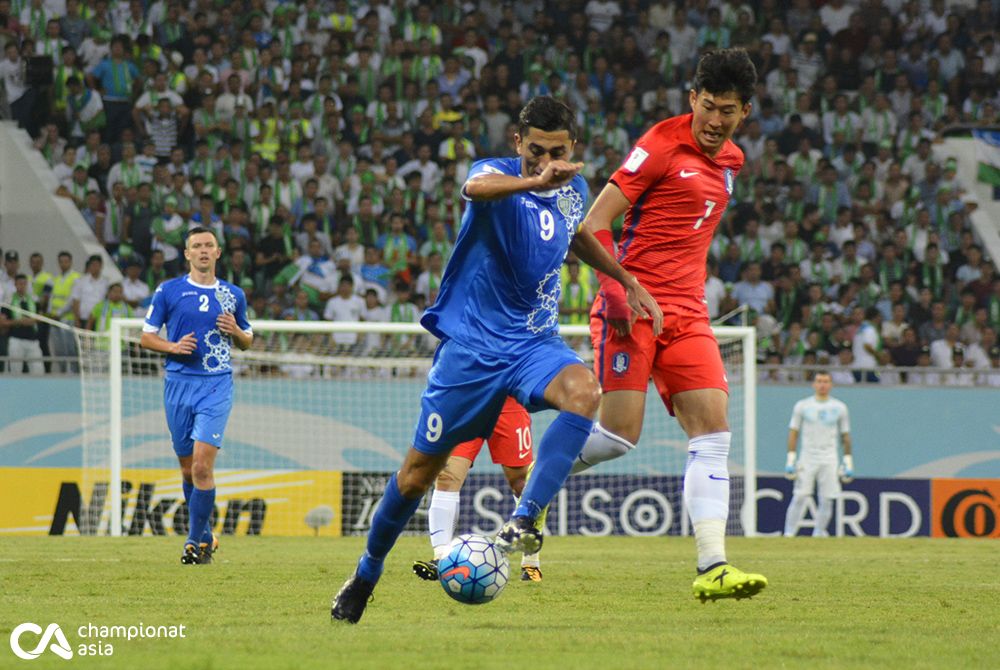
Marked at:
<point>326,143</point>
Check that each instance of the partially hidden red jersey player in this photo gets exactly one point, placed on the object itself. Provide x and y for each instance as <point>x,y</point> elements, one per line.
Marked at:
<point>673,188</point>
<point>510,448</point>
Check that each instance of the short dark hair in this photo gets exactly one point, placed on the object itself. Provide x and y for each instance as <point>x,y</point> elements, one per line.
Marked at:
<point>725,71</point>
<point>548,114</point>
<point>198,230</point>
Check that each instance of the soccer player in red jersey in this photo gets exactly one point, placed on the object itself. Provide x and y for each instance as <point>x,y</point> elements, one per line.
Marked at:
<point>673,188</point>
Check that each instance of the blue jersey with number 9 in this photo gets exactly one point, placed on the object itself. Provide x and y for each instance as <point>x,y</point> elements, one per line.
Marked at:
<point>500,290</point>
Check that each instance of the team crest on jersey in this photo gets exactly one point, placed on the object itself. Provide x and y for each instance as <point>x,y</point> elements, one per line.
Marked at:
<point>727,175</point>
<point>226,299</point>
<point>619,363</point>
<point>570,204</point>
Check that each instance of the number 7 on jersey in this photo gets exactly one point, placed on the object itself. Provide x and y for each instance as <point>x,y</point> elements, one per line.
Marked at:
<point>709,206</point>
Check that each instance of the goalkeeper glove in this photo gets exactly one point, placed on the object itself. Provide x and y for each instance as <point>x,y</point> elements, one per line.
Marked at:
<point>790,466</point>
<point>847,469</point>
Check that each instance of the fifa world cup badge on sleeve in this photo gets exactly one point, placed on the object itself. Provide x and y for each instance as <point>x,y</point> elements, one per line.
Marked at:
<point>635,159</point>
<point>727,175</point>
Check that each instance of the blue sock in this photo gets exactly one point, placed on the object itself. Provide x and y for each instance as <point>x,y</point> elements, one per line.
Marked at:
<point>199,510</point>
<point>560,446</point>
<point>389,520</point>
<point>206,537</point>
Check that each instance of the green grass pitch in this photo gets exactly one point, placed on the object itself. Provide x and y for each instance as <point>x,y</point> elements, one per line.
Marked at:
<point>605,603</point>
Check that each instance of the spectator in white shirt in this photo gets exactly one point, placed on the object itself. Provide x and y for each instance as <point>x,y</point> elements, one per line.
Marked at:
<point>602,14</point>
<point>225,104</point>
<point>134,289</point>
<point>751,291</point>
<point>344,306</point>
<point>835,15</point>
<point>89,290</point>
<point>430,172</point>
<point>867,345</point>
<point>941,350</point>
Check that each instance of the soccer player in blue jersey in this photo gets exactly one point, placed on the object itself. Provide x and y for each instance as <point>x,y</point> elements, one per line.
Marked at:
<point>496,316</point>
<point>204,317</point>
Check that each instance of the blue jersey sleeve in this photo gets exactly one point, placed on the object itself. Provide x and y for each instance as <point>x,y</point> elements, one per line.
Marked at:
<point>157,314</point>
<point>485,166</point>
<point>241,312</point>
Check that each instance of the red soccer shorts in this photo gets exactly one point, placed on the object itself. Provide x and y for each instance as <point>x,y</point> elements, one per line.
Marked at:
<point>685,357</point>
<point>510,443</point>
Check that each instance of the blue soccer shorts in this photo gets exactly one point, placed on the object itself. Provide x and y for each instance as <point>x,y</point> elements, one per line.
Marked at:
<point>197,408</point>
<point>466,390</point>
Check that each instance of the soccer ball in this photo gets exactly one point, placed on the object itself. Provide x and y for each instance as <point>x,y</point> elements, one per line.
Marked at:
<point>474,572</point>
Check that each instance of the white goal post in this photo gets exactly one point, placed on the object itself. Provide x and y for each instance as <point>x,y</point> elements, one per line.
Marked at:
<point>310,413</point>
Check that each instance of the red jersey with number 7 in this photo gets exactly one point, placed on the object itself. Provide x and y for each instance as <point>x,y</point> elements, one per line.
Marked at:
<point>678,194</point>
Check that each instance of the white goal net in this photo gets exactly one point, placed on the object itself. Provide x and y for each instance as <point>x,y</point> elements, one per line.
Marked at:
<point>324,413</point>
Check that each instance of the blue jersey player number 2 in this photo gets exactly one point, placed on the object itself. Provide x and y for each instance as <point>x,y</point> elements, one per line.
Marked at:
<point>204,316</point>
<point>497,315</point>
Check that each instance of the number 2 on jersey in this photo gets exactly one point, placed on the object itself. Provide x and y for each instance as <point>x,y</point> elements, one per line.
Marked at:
<point>203,301</point>
<point>709,206</point>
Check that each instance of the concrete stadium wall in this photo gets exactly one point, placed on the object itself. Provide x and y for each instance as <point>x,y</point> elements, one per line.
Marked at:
<point>986,217</point>
<point>32,218</point>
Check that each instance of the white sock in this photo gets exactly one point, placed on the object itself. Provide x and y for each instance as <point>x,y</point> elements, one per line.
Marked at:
<point>531,560</point>
<point>794,514</point>
<point>441,520</point>
<point>823,515</point>
<point>706,495</point>
<point>600,446</point>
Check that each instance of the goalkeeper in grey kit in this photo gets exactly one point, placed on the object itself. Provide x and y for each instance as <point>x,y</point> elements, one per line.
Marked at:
<point>820,420</point>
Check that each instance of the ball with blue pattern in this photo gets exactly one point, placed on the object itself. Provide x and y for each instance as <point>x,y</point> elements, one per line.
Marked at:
<point>475,571</point>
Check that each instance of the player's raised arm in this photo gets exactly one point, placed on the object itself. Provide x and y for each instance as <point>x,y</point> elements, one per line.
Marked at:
<point>488,185</point>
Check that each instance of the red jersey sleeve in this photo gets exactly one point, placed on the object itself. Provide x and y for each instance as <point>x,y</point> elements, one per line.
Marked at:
<point>645,166</point>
